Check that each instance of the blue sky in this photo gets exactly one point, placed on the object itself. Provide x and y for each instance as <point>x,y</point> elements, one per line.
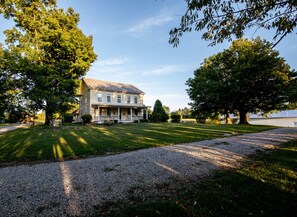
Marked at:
<point>130,38</point>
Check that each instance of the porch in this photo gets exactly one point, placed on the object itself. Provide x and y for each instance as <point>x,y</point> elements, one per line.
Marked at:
<point>118,113</point>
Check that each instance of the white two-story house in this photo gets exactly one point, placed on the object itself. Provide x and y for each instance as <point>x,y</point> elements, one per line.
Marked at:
<point>107,101</point>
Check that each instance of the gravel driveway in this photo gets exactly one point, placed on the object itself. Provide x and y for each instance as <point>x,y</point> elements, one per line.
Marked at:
<point>4,129</point>
<point>79,187</point>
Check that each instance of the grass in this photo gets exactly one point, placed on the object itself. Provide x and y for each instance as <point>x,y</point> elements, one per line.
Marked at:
<point>67,142</point>
<point>266,185</point>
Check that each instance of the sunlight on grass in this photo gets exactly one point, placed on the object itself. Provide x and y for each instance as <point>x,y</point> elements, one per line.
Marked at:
<point>64,144</point>
<point>21,151</point>
<point>40,142</point>
<point>105,131</point>
<point>40,153</point>
<point>57,150</point>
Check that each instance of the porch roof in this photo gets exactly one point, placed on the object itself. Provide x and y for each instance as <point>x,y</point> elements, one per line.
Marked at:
<point>120,106</point>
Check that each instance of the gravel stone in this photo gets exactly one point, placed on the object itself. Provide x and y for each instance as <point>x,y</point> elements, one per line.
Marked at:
<point>79,187</point>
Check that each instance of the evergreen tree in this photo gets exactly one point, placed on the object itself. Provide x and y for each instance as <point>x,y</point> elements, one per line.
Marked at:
<point>159,114</point>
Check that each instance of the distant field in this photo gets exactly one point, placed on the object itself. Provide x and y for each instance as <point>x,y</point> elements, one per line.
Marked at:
<point>75,141</point>
<point>281,122</point>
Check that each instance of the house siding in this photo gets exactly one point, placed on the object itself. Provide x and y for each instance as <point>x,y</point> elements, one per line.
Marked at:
<point>89,104</point>
<point>94,98</point>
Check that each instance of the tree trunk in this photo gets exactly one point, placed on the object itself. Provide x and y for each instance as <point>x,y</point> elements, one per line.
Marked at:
<point>243,118</point>
<point>48,117</point>
<point>228,119</point>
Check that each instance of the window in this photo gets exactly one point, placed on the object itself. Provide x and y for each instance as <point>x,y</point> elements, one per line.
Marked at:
<point>135,99</point>
<point>99,96</point>
<point>128,99</point>
<point>86,99</point>
<point>108,98</point>
<point>119,98</point>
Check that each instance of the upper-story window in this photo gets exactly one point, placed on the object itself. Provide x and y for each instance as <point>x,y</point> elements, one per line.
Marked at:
<point>99,97</point>
<point>108,98</point>
<point>119,98</point>
<point>128,99</point>
<point>135,100</point>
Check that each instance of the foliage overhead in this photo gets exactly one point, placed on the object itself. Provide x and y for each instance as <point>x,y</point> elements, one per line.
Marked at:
<point>159,114</point>
<point>51,52</point>
<point>221,19</point>
<point>249,77</point>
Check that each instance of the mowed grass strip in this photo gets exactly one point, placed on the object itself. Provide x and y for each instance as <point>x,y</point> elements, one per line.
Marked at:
<point>265,186</point>
<point>74,141</point>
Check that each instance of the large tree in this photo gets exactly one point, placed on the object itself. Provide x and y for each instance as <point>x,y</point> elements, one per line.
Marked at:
<point>221,19</point>
<point>10,83</point>
<point>249,77</point>
<point>210,89</point>
<point>53,53</point>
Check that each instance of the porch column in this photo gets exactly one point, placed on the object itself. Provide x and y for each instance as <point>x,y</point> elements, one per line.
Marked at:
<point>141,113</point>
<point>146,114</point>
<point>98,113</point>
<point>94,114</point>
<point>118,114</point>
<point>131,115</point>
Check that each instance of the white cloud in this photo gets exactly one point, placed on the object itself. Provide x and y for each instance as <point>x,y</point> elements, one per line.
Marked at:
<point>110,69</point>
<point>166,70</point>
<point>146,24</point>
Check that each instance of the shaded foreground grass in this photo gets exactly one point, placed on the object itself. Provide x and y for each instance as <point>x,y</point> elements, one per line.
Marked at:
<point>60,143</point>
<point>266,185</point>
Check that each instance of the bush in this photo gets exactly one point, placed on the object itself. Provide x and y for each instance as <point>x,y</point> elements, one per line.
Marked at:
<point>201,120</point>
<point>68,118</point>
<point>115,121</point>
<point>86,119</point>
<point>108,123</point>
<point>175,118</point>
<point>234,120</point>
<point>159,114</point>
<point>143,120</point>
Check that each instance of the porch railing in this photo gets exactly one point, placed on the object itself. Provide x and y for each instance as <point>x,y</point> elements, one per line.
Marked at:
<point>115,117</point>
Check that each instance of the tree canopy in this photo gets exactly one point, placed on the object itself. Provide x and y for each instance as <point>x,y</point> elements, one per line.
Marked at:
<point>221,19</point>
<point>249,77</point>
<point>50,51</point>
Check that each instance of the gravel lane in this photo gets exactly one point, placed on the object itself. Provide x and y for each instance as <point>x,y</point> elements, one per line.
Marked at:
<point>4,129</point>
<point>79,187</point>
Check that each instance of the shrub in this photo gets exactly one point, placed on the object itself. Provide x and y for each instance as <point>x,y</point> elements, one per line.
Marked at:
<point>68,118</point>
<point>175,118</point>
<point>108,123</point>
<point>86,119</point>
<point>143,120</point>
<point>115,121</point>
<point>234,120</point>
<point>159,114</point>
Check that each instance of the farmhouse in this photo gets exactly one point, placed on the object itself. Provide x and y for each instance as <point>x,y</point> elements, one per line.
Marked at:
<point>111,101</point>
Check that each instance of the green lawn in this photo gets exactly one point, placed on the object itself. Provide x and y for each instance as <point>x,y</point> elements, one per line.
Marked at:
<point>266,186</point>
<point>47,143</point>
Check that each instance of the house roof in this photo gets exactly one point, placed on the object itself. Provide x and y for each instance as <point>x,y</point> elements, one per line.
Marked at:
<point>111,86</point>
